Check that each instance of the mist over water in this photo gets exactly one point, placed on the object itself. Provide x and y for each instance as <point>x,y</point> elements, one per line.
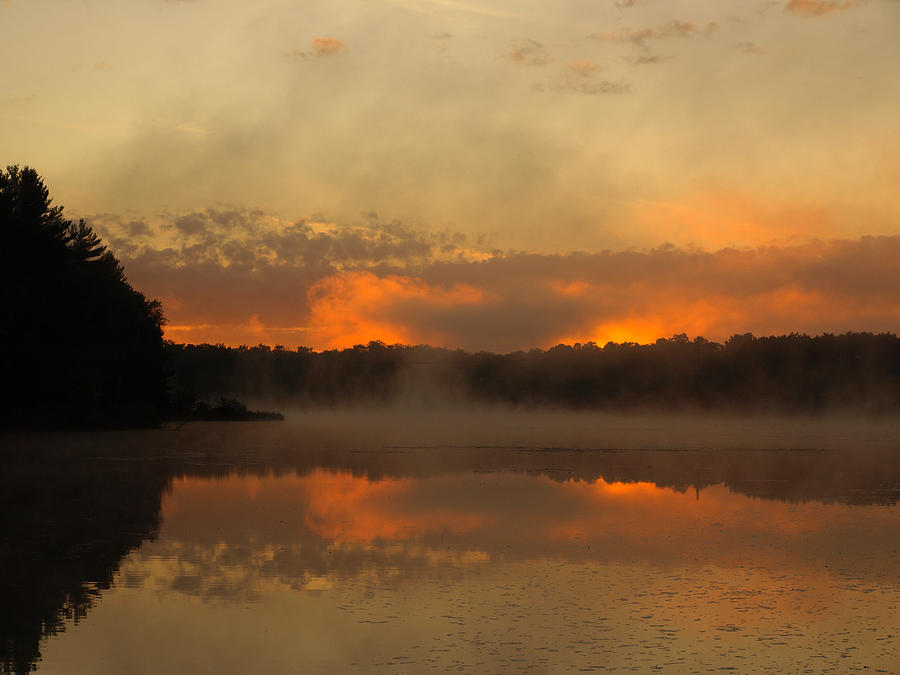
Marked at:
<point>855,373</point>
<point>425,425</point>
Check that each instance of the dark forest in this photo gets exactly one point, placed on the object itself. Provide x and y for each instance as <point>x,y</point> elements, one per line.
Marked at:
<point>855,372</point>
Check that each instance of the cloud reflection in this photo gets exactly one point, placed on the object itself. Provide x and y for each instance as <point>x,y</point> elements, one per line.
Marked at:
<point>229,537</point>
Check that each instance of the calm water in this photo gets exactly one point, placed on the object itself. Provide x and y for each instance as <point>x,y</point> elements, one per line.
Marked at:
<point>468,542</point>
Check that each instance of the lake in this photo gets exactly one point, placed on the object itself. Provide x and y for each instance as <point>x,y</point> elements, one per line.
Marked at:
<point>397,541</point>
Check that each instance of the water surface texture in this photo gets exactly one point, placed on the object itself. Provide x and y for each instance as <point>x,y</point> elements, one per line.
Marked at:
<point>469,542</point>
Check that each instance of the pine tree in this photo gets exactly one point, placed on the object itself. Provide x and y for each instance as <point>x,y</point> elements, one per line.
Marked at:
<point>79,346</point>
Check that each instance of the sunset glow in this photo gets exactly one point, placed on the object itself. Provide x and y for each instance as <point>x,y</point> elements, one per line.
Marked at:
<point>474,174</point>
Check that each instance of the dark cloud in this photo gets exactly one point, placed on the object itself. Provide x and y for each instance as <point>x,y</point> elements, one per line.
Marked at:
<point>594,87</point>
<point>529,53</point>
<point>749,48</point>
<point>673,29</point>
<point>193,223</point>
<point>647,59</point>
<point>137,228</point>
<point>253,238</point>
<point>581,77</point>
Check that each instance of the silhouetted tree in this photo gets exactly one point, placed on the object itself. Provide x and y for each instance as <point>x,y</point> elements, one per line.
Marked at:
<point>80,346</point>
<point>793,373</point>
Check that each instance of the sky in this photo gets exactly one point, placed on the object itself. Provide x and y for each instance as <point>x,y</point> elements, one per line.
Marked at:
<point>485,174</point>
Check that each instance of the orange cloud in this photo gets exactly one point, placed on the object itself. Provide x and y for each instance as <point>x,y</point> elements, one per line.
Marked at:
<point>320,47</point>
<point>324,292</point>
<point>328,46</point>
<point>356,307</point>
<point>583,68</point>
<point>521,302</point>
<point>818,7</point>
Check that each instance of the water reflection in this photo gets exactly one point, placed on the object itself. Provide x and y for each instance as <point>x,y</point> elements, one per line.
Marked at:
<point>231,515</point>
<point>224,537</point>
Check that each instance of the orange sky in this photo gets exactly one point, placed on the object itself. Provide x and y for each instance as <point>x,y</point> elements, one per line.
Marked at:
<point>332,172</point>
<point>508,301</point>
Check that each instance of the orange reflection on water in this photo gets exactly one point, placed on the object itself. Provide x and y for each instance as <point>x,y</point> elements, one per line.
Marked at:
<point>521,515</point>
<point>646,511</point>
<point>353,509</point>
<point>335,505</point>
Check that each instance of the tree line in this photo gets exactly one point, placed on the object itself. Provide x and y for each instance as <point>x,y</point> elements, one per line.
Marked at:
<point>791,373</point>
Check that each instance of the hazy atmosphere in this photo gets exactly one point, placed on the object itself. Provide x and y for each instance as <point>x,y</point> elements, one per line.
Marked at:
<point>483,336</point>
<point>490,175</point>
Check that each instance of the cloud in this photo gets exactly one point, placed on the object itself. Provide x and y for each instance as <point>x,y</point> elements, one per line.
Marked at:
<point>583,68</point>
<point>595,87</point>
<point>813,8</point>
<point>258,240</point>
<point>672,29</point>
<point>137,228</point>
<point>320,47</point>
<point>749,48</point>
<point>328,46</point>
<point>243,276</point>
<point>579,77</point>
<point>233,277</point>
<point>348,308</point>
<point>529,53</point>
<point>647,59</point>
<point>192,223</point>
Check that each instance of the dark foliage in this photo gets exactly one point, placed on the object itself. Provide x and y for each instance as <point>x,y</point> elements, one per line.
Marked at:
<point>80,346</point>
<point>858,372</point>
